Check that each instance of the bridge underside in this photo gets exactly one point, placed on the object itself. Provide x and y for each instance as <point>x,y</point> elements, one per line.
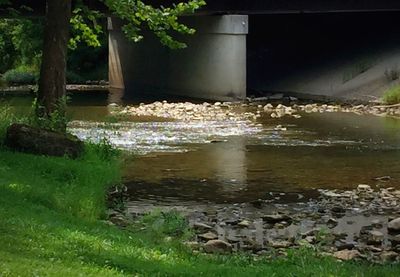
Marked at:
<point>350,55</point>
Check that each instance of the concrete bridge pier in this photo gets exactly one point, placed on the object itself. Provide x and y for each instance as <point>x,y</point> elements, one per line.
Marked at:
<point>212,67</point>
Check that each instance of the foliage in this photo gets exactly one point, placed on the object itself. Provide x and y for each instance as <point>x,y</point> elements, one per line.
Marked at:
<point>55,121</point>
<point>20,43</point>
<point>161,21</point>
<point>21,75</point>
<point>85,26</point>
<point>7,117</point>
<point>169,223</point>
<point>392,95</point>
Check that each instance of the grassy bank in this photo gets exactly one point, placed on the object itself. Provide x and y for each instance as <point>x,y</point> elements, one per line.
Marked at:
<point>49,226</point>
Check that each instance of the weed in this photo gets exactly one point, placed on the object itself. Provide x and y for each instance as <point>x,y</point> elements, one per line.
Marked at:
<point>392,95</point>
<point>56,121</point>
<point>170,223</point>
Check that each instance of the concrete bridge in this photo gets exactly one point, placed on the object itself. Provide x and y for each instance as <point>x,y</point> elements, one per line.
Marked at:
<point>329,48</point>
<point>339,48</point>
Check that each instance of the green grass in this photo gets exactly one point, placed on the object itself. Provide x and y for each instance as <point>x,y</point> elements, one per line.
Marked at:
<point>392,95</point>
<point>49,226</point>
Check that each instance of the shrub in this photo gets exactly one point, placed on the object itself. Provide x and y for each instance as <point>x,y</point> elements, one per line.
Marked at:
<point>21,76</point>
<point>74,78</point>
<point>392,95</point>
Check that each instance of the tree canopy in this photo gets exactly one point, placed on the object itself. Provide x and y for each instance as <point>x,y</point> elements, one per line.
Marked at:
<point>61,17</point>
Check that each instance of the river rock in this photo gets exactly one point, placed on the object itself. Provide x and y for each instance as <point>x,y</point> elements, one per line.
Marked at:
<point>375,238</point>
<point>276,218</point>
<point>363,187</point>
<point>346,255</point>
<point>394,225</point>
<point>244,223</point>
<point>217,246</point>
<point>201,226</point>
<point>389,256</point>
<point>208,236</point>
<point>395,240</point>
<point>280,244</point>
<point>39,141</point>
<point>332,223</point>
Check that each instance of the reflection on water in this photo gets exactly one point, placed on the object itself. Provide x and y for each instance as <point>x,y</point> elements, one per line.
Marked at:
<point>247,161</point>
<point>244,161</point>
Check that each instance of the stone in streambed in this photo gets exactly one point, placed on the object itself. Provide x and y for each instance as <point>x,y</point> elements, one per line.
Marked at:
<point>394,225</point>
<point>201,226</point>
<point>347,255</point>
<point>375,238</point>
<point>276,218</point>
<point>208,236</point>
<point>217,246</point>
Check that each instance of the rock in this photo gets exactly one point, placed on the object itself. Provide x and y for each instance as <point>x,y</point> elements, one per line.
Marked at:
<point>375,238</point>
<point>332,223</point>
<point>338,209</point>
<point>376,223</point>
<point>201,226</point>
<point>280,244</point>
<point>38,141</point>
<point>310,239</point>
<point>276,218</point>
<point>363,187</point>
<point>208,236</point>
<point>119,220</point>
<point>395,240</point>
<point>268,107</point>
<point>347,255</point>
<point>394,225</point>
<point>345,246</point>
<point>217,246</point>
<point>389,256</point>
<point>244,223</point>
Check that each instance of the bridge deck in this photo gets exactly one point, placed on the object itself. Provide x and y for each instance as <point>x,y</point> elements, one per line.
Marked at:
<point>248,6</point>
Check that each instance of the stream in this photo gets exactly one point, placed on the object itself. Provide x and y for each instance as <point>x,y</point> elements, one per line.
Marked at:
<point>230,174</point>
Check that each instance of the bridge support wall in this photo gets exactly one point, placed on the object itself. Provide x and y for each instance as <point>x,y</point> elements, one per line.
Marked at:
<point>212,67</point>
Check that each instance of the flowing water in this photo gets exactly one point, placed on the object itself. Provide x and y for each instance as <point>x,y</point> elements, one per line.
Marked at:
<point>217,171</point>
<point>243,161</point>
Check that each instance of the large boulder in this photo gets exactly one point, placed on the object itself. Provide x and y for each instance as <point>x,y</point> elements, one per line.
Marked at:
<point>24,138</point>
<point>394,225</point>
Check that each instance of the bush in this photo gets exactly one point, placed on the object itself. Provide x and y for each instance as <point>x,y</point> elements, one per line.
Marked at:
<point>392,95</point>
<point>21,76</point>
<point>74,78</point>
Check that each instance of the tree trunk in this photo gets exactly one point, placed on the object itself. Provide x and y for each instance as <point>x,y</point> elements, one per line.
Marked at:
<point>52,82</point>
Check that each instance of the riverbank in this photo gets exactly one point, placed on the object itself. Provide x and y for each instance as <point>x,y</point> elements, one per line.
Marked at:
<point>49,208</point>
<point>54,223</point>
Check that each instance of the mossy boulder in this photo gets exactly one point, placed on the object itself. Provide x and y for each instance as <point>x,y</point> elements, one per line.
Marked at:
<point>28,139</point>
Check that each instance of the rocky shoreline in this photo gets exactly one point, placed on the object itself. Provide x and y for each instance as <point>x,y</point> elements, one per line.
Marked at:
<point>361,224</point>
<point>252,110</point>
